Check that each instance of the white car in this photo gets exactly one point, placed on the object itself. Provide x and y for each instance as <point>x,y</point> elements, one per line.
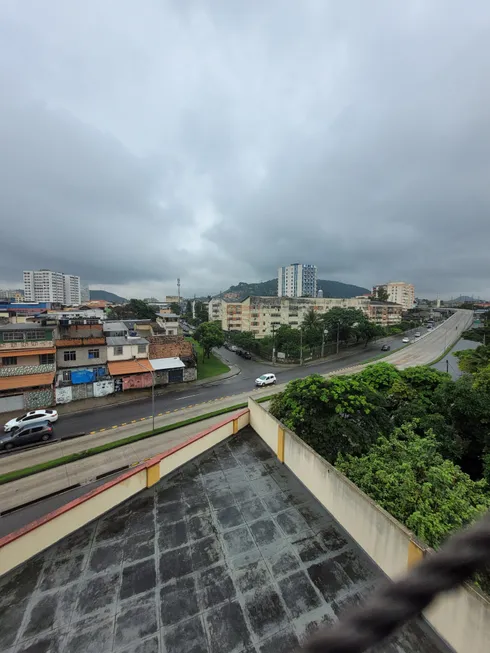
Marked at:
<point>32,417</point>
<point>417,335</point>
<point>265,379</point>
<point>406,339</point>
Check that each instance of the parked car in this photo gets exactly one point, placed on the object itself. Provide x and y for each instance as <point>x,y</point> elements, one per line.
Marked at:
<point>417,335</point>
<point>385,348</point>
<point>39,432</point>
<point>406,339</point>
<point>233,348</point>
<point>265,379</point>
<point>246,355</point>
<point>32,417</point>
<point>239,352</point>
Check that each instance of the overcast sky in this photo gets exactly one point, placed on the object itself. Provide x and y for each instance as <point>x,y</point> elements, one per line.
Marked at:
<point>215,140</point>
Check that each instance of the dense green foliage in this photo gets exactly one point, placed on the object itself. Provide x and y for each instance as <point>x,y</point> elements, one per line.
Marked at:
<point>209,335</point>
<point>407,475</point>
<point>135,309</point>
<point>414,440</point>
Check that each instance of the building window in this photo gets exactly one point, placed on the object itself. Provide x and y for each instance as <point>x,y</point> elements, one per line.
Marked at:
<point>67,376</point>
<point>9,360</point>
<point>35,335</point>
<point>93,353</point>
<point>13,335</point>
<point>142,348</point>
<point>46,359</point>
<point>118,350</point>
<point>70,355</point>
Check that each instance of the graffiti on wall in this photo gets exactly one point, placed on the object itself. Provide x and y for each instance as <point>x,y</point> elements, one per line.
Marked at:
<point>63,395</point>
<point>136,381</point>
<point>103,388</point>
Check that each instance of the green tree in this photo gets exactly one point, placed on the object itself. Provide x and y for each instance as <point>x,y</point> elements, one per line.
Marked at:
<point>209,335</point>
<point>406,474</point>
<point>366,331</point>
<point>380,376</point>
<point>381,294</point>
<point>424,380</point>
<point>135,309</point>
<point>473,360</point>
<point>340,322</point>
<point>332,415</point>
<point>312,328</point>
<point>201,313</point>
<point>188,311</point>
<point>175,308</point>
<point>287,340</point>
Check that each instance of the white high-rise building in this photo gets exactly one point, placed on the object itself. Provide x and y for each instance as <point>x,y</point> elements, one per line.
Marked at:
<point>297,280</point>
<point>72,290</point>
<point>49,286</point>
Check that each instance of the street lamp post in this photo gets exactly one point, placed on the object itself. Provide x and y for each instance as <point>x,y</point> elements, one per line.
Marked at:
<point>152,391</point>
<point>324,333</point>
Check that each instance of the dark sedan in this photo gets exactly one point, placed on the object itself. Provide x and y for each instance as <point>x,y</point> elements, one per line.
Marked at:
<point>385,348</point>
<point>40,432</point>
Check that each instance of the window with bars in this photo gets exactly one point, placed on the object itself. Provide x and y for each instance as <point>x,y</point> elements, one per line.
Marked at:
<point>13,335</point>
<point>9,360</point>
<point>46,359</point>
<point>118,350</point>
<point>70,355</point>
<point>93,353</point>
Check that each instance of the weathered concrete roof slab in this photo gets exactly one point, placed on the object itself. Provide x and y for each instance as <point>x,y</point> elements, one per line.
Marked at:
<point>230,554</point>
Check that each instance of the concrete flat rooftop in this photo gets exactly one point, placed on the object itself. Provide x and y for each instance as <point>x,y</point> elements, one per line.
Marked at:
<point>229,554</point>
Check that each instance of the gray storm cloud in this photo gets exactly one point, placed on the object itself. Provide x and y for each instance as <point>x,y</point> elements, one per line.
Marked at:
<point>215,141</point>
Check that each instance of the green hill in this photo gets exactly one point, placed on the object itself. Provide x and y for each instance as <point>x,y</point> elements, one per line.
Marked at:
<point>269,289</point>
<point>107,296</point>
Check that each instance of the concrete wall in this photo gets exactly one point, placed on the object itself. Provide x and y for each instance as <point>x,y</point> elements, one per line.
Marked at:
<point>462,617</point>
<point>82,358</point>
<point>27,542</point>
<point>264,424</point>
<point>129,352</point>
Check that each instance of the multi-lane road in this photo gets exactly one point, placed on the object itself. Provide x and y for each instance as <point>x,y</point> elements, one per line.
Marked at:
<point>110,416</point>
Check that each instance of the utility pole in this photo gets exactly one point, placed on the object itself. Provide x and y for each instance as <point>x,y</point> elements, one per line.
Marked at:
<point>338,336</point>
<point>301,345</point>
<point>178,289</point>
<point>273,344</point>
<point>447,365</point>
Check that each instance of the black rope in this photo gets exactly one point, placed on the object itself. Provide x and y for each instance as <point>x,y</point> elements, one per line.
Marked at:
<point>390,606</point>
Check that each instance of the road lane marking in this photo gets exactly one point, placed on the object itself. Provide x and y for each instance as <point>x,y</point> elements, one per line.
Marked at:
<point>186,397</point>
<point>93,432</point>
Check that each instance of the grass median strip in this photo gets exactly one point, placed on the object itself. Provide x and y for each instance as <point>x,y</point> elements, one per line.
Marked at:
<point>93,451</point>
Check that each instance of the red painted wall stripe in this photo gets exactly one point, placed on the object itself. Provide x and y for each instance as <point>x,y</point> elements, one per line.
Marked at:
<point>106,486</point>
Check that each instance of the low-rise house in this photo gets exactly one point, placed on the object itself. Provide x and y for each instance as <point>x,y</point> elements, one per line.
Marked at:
<point>172,349</point>
<point>169,322</point>
<point>128,363</point>
<point>27,366</point>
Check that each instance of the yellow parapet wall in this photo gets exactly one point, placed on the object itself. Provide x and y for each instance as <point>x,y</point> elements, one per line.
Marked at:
<point>462,617</point>
<point>39,535</point>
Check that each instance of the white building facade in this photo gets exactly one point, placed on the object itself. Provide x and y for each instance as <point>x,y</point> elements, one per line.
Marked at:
<point>297,280</point>
<point>49,286</point>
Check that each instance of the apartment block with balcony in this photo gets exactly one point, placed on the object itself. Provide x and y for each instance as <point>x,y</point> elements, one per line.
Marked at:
<point>385,313</point>
<point>51,286</point>
<point>262,315</point>
<point>27,366</point>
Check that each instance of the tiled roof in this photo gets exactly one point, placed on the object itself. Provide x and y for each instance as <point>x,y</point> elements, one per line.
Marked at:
<point>27,352</point>
<point>79,342</point>
<point>26,381</point>
<point>120,368</point>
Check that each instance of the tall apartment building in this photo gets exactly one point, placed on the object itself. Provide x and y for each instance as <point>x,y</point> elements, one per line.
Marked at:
<point>297,280</point>
<point>72,290</point>
<point>399,292</point>
<point>49,286</point>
